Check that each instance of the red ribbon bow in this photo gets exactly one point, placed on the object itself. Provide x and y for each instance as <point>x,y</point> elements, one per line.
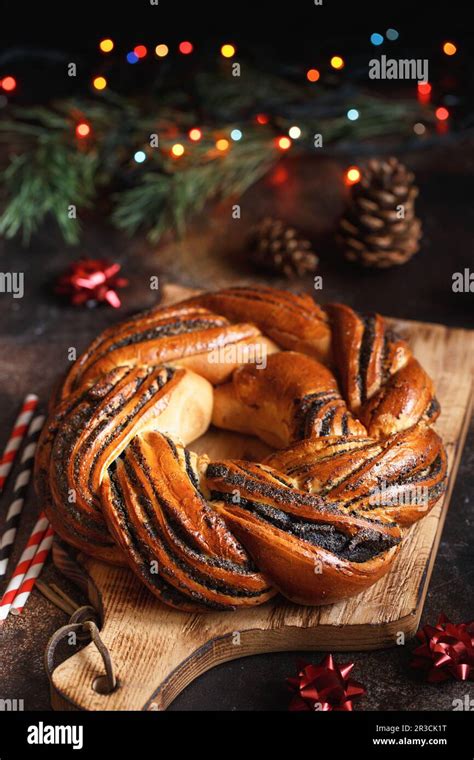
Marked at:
<point>91,281</point>
<point>325,687</point>
<point>446,651</point>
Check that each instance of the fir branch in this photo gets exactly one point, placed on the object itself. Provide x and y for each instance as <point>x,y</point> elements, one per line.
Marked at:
<point>46,180</point>
<point>48,169</point>
<point>163,201</point>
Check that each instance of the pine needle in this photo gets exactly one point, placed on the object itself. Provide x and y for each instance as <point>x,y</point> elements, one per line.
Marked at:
<point>160,202</point>
<point>46,181</point>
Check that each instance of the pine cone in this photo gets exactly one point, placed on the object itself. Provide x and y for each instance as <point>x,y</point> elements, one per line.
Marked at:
<point>280,248</point>
<point>380,228</point>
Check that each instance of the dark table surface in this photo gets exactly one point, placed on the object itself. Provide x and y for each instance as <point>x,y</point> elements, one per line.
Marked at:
<point>37,331</point>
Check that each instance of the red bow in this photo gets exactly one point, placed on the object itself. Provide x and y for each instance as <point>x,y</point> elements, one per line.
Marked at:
<point>326,686</point>
<point>91,281</point>
<point>446,651</point>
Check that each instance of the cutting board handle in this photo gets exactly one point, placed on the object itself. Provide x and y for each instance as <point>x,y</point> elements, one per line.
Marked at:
<point>82,624</point>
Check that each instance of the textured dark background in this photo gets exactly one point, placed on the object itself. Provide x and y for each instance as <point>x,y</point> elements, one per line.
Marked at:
<point>36,332</point>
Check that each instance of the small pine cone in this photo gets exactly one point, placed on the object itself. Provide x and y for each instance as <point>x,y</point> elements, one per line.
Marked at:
<point>380,228</point>
<point>276,247</point>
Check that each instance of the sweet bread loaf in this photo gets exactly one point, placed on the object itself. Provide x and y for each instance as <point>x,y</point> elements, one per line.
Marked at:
<point>293,397</point>
<point>308,546</point>
<point>90,429</point>
<point>177,543</point>
<point>294,322</point>
<point>181,335</point>
<point>337,395</point>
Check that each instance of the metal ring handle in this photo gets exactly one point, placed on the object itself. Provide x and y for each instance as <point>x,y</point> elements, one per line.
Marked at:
<point>81,622</point>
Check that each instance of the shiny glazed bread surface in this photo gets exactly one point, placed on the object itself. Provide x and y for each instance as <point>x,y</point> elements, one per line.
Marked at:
<point>337,394</point>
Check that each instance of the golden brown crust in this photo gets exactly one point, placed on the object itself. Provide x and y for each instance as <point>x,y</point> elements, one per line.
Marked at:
<point>291,398</point>
<point>321,519</point>
<point>187,557</point>
<point>91,428</point>
<point>366,353</point>
<point>407,398</point>
<point>293,321</point>
<point>176,335</point>
<point>399,478</point>
<point>311,550</point>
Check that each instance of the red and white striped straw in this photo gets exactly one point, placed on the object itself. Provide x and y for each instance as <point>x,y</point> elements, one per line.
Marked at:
<point>35,569</point>
<point>27,557</point>
<point>16,436</point>
<point>20,490</point>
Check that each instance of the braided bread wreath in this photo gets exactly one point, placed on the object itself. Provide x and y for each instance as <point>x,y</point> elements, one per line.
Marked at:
<point>118,482</point>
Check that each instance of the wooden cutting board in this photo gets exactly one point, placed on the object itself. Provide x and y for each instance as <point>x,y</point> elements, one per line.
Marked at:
<point>158,651</point>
